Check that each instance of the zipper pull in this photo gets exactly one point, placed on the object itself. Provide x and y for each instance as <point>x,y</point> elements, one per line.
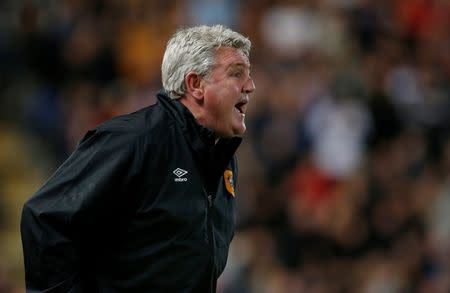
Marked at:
<point>210,200</point>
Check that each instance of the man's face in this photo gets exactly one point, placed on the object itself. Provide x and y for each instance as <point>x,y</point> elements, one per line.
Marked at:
<point>226,93</point>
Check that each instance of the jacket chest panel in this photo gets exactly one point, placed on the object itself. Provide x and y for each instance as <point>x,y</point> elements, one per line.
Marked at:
<point>182,201</point>
<point>224,211</point>
<point>176,206</point>
<point>174,201</point>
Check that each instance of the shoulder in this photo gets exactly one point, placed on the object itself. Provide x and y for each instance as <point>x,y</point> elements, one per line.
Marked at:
<point>147,132</point>
<point>133,123</point>
<point>141,136</point>
<point>147,124</point>
<point>138,134</point>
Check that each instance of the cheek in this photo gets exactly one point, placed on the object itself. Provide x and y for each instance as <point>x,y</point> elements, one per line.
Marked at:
<point>220,99</point>
<point>221,108</point>
<point>214,106</point>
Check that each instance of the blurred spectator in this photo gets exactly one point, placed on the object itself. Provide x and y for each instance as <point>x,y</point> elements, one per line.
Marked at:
<point>345,168</point>
<point>212,12</point>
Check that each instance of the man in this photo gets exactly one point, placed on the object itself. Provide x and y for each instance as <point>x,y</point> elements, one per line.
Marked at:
<point>146,203</point>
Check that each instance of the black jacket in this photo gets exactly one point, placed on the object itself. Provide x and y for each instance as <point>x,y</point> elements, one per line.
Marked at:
<point>145,204</point>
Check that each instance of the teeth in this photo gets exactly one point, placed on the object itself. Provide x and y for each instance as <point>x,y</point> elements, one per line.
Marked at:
<point>240,107</point>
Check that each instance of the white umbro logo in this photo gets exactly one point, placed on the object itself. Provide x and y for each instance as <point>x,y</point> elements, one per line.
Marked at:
<point>179,173</point>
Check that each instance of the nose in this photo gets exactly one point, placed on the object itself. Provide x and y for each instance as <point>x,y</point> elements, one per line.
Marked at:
<point>249,86</point>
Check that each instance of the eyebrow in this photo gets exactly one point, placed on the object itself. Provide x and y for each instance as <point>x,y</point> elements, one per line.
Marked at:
<point>239,65</point>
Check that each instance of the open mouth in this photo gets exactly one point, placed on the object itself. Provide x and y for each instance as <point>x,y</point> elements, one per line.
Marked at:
<point>241,107</point>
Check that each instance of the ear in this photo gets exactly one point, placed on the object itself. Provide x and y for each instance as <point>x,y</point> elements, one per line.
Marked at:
<point>194,85</point>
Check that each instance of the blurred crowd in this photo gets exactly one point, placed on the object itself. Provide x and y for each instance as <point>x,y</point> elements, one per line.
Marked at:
<point>344,182</point>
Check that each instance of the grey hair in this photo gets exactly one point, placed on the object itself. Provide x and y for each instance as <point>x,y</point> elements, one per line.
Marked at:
<point>193,49</point>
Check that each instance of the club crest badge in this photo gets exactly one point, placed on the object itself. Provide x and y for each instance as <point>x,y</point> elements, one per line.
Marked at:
<point>229,183</point>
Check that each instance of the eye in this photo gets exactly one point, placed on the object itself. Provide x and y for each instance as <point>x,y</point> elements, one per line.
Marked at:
<point>237,73</point>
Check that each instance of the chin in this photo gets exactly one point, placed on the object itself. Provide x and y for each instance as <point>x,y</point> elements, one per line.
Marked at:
<point>231,134</point>
<point>232,131</point>
<point>240,132</point>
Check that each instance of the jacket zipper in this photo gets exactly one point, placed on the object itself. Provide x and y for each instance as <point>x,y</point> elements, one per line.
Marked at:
<point>211,237</point>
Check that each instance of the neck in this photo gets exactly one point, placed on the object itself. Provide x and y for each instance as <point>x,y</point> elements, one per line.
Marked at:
<point>192,106</point>
<point>197,112</point>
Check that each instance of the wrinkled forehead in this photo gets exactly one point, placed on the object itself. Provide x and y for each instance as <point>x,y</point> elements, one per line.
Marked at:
<point>229,56</point>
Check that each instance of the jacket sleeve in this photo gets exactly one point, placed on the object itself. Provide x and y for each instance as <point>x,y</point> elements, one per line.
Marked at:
<point>60,223</point>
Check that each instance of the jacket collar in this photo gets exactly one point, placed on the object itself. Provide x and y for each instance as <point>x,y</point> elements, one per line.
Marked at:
<point>201,139</point>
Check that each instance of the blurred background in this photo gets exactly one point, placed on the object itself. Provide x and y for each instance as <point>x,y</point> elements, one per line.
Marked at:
<point>345,167</point>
